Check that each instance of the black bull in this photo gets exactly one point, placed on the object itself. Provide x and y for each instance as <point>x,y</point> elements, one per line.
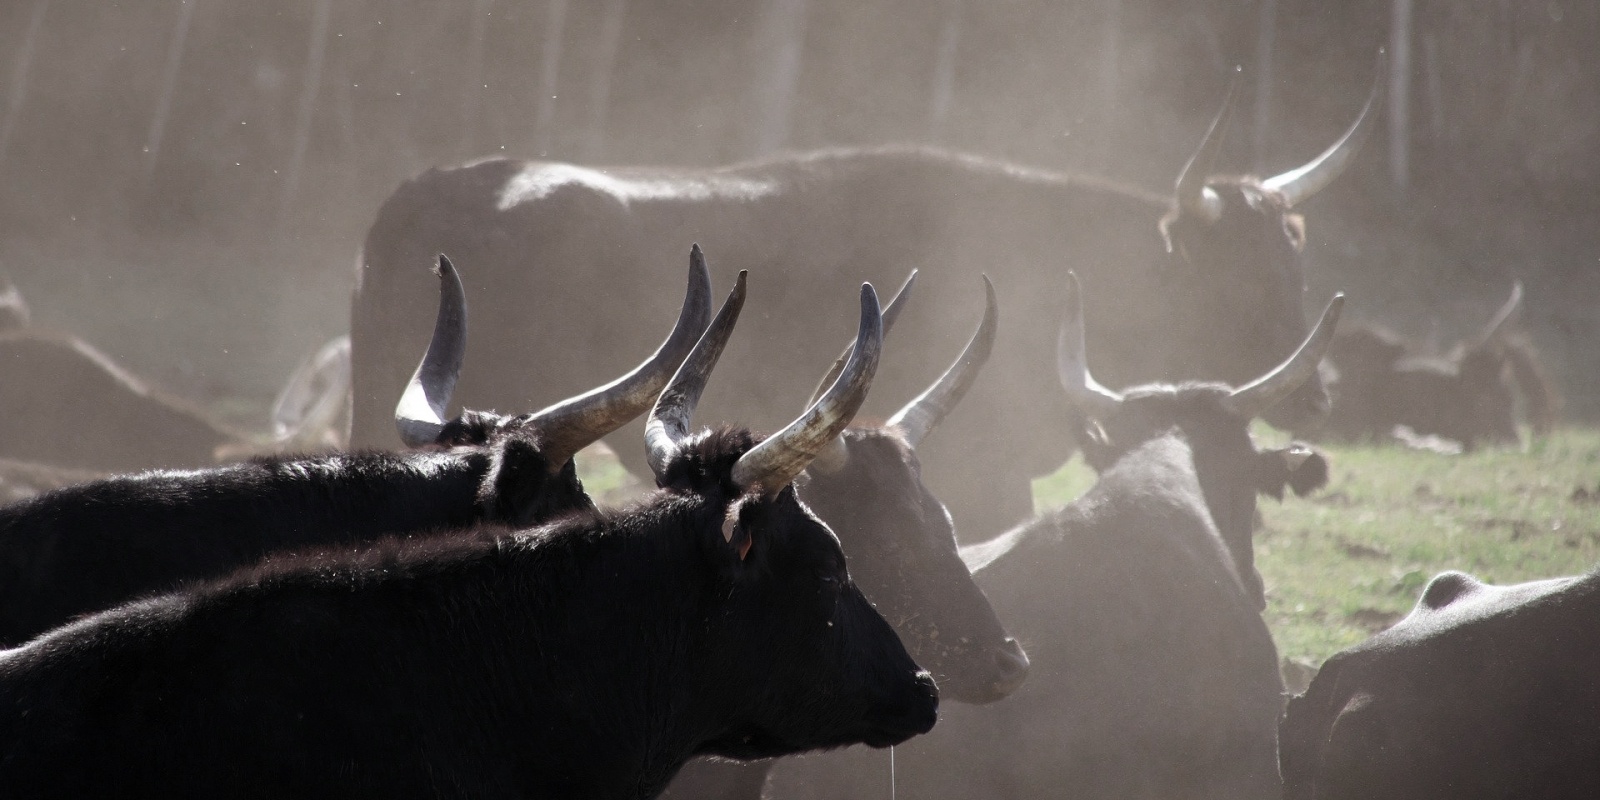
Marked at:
<point>564,255</point>
<point>1154,674</point>
<point>1482,691</point>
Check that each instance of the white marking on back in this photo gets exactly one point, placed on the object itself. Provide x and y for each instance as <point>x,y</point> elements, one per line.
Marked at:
<point>538,181</point>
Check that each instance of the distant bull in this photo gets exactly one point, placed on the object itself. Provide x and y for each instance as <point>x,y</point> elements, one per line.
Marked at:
<point>1212,270</point>
<point>65,403</point>
<point>1467,396</point>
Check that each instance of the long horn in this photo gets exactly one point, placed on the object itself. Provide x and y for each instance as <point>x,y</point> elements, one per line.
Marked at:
<point>1072,364</point>
<point>1506,316</point>
<point>577,422</point>
<point>669,420</point>
<point>785,454</point>
<point>1253,399</point>
<point>1301,183</point>
<point>419,416</point>
<point>925,412</point>
<point>1193,196</point>
<point>891,313</point>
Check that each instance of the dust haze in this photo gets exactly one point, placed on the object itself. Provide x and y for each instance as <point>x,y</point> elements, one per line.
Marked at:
<point>186,183</point>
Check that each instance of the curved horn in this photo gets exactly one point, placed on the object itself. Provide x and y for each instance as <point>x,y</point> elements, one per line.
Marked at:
<point>1507,315</point>
<point>1193,196</point>
<point>1083,391</point>
<point>924,413</point>
<point>785,454</point>
<point>1298,184</point>
<point>1254,398</point>
<point>891,313</point>
<point>669,420</point>
<point>577,422</point>
<point>419,416</point>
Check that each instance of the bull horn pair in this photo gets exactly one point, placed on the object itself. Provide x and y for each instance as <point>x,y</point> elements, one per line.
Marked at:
<point>775,462</point>
<point>924,412</point>
<point>574,423</point>
<point>1296,185</point>
<point>1248,401</point>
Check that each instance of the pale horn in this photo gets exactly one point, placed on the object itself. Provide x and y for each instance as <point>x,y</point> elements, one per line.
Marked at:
<point>577,422</point>
<point>1254,398</point>
<point>775,462</point>
<point>419,416</point>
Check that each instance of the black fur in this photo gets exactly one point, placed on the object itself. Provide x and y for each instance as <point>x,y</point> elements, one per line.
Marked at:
<point>88,547</point>
<point>588,658</point>
<point>902,552</point>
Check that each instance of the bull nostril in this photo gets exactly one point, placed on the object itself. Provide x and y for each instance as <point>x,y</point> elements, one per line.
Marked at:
<point>1011,663</point>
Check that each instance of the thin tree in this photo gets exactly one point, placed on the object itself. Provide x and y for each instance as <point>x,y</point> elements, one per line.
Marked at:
<point>1400,97</point>
<point>605,65</point>
<point>1266,36</point>
<point>944,70</point>
<point>321,12</point>
<point>780,36</point>
<point>477,30</point>
<point>549,78</point>
<point>19,77</point>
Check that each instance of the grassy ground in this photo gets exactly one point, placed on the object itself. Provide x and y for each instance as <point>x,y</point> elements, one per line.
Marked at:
<point>1351,560</point>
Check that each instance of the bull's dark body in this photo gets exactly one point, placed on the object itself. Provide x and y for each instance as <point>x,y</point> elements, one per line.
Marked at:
<point>88,547</point>
<point>1468,395</point>
<point>590,658</point>
<point>69,405</point>
<point>585,251</point>
<point>902,553</point>
<point>1153,672</point>
<point>1481,692</point>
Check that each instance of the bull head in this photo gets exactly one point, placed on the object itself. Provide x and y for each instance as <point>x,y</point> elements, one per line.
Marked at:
<point>1194,198</point>
<point>924,412</point>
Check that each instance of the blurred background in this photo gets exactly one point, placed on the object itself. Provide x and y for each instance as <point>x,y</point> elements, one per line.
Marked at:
<point>186,183</point>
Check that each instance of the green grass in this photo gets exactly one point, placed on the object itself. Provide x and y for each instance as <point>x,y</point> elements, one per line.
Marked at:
<point>1351,559</point>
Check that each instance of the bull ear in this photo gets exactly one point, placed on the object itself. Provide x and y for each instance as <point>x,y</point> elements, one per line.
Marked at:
<point>1298,466</point>
<point>735,533</point>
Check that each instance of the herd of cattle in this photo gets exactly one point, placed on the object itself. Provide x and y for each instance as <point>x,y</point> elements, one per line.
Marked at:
<point>444,611</point>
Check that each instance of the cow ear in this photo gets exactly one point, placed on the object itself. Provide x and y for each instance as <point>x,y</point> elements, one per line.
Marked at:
<point>1297,466</point>
<point>1312,472</point>
<point>1294,226</point>
<point>735,533</point>
<point>1098,449</point>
